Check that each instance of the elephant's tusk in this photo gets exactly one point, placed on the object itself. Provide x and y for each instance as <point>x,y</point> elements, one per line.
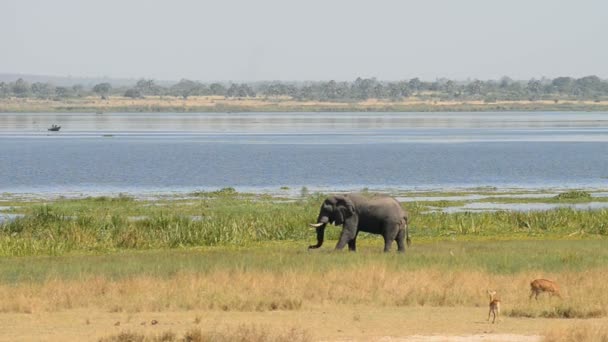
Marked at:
<point>316,225</point>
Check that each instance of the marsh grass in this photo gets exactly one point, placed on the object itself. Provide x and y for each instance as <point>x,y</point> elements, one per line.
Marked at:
<point>225,217</point>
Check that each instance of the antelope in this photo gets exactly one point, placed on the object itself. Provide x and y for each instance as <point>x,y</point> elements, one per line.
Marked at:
<point>543,285</point>
<point>494,306</point>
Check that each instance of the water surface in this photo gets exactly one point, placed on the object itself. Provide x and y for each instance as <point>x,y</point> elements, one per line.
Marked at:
<point>151,152</point>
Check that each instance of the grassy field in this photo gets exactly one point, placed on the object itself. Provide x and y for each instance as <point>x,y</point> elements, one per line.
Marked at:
<point>219,265</point>
<point>280,104</point>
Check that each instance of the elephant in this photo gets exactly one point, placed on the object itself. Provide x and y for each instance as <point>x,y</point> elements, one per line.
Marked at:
<point>358,213</point>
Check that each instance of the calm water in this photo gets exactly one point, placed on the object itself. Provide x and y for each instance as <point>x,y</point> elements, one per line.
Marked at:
<point>139,153</point>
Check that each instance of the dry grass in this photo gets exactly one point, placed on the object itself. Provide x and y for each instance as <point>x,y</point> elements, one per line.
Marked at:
<point>249,333</point>
<point>221,104</point>
<point>578,332</point>
<point>585,293</point>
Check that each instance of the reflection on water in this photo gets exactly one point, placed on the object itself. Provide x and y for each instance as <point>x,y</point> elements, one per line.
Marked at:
<point>362,127</point>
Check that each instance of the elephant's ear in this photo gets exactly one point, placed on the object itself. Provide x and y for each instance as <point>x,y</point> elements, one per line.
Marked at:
<point>345,205</point>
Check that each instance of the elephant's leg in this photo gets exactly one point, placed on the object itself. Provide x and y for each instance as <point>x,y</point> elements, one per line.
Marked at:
<point>388,242</point>
<point>352,245</point>
<point>399,239</point>
<point>345,238</point>
<point>391,232</point>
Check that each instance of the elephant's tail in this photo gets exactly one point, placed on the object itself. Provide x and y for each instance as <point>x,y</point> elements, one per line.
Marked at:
<point>407,231</point>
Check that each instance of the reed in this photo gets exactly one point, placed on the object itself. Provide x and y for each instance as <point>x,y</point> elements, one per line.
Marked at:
<point>226,218</point>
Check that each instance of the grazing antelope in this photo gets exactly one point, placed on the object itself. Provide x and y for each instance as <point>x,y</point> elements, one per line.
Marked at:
<point>494,306</point>
<point>543,285</point>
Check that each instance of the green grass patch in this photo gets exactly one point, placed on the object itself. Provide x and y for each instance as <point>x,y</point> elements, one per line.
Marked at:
<point>228,218</point>
<point>496,257</point>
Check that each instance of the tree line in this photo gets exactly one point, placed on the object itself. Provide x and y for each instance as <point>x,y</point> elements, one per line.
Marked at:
<point>584,88</point>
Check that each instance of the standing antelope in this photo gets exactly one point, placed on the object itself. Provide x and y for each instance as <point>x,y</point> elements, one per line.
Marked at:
<point>494,306</point>
<point>543,285</point>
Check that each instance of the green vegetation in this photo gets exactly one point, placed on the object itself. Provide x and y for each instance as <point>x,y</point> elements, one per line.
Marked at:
<point>500,257</point>
<point>227,218</point>
<point>574,195</point>
<point>585,88</point>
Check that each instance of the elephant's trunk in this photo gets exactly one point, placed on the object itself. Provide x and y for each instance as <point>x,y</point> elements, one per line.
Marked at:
<point>320,236</point>
<point>320,226</point>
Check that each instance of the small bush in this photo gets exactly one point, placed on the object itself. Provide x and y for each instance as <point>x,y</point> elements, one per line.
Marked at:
<point>576,195</point>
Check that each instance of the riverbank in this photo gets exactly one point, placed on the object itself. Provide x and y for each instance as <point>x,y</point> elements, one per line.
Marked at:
<point>281,104</point>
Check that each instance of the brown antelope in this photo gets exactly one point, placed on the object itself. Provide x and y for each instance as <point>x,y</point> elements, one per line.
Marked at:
<point>543,285</point>
<point>494,306</point>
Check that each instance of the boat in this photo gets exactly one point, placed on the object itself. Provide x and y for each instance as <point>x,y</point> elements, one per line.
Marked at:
<point>54,128</point>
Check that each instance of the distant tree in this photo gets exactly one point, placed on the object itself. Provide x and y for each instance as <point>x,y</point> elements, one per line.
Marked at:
<point>133,93</point>
<point>21,88</point>
<point>102,89</point>
<point>515,92</point>
<point>239,90</point>
<point>379,91</point>
<point>534,89</point>
<point>276,89</point>
<point>185,88</point>
<point>43,90</point>
<point>363,88</point>
<point>563,85</point>
<point>305,93</point>
<point>450,87</point>
<point>329,90</point>
<point>393,91</point>
<point>217,89</point>
<point>476,88</point>
<point>63,92</point>
<point>147,87</point>
<point>589,86</point>
<point>415,84</point>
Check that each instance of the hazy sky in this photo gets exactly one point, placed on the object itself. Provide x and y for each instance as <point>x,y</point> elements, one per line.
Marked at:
<point>305,40</point>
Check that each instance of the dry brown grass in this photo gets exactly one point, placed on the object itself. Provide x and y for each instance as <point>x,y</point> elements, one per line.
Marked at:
<point>249,333</point>
<point>220,103</point>
<point>585,293</point>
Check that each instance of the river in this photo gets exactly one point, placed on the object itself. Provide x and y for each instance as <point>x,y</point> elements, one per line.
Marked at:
<point>262,152</point>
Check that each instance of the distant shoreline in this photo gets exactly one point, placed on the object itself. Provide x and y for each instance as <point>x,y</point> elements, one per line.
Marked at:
<point>258,104</point>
